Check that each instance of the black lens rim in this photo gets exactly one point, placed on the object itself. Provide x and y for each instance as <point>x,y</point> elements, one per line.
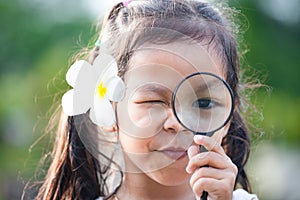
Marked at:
<point>210,133</point>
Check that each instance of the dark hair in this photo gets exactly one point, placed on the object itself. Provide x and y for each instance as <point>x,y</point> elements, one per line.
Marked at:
<point>74,172</point>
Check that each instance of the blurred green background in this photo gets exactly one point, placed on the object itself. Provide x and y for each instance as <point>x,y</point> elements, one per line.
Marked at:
<point>38,38</point>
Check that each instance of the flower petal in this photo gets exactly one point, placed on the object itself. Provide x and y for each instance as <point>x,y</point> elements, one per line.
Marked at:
<point>72,107</point>
<point>102,113</point>
<point>106,66</point>
<point>115,89</point>
<point>78,68</point>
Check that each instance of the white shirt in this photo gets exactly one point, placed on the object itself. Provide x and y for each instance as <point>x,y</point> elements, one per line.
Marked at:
<point>238,194</point>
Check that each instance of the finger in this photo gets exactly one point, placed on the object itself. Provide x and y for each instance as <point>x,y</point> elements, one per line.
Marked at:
<point>209,172</point>
<point>216,189</point>
<point>209,143</point>
<point>192,151</point>
<point>210,158</point>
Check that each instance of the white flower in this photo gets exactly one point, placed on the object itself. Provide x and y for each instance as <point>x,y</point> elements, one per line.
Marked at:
<point>94,87</point>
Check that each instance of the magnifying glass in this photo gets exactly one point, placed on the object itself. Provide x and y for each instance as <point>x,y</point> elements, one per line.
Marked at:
<point>203,103</point>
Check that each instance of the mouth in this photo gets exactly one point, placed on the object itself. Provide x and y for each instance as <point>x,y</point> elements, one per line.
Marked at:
<point>174,154</point>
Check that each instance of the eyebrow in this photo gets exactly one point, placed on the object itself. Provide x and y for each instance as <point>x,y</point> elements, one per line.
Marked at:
<point>207,85</point>
<point>155,88</point>
<point>211,84</point>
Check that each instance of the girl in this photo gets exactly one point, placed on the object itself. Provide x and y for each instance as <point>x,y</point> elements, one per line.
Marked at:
<point>118,136</point>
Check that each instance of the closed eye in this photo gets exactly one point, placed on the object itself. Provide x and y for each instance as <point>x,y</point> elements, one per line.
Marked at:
<point>152,102</point>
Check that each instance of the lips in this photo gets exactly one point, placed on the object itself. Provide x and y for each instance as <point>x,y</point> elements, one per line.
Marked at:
<point>174,154</point>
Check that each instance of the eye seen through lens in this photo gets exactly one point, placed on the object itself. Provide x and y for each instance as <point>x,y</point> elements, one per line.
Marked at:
<point>203,103</point>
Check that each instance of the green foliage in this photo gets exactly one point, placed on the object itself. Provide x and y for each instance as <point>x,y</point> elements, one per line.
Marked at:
<point>274,53</point>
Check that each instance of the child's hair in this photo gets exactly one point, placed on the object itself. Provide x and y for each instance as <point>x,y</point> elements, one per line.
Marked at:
<point>74,172</point>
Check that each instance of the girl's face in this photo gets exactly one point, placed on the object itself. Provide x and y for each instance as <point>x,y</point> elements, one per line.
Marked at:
<point>153,141</point>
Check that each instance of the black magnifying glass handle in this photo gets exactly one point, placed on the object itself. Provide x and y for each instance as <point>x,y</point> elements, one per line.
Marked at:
<point>204,194</point>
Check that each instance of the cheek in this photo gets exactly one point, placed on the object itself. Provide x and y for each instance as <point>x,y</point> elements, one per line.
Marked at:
<point>133,145</point>
<point>141,121</point>
<point>220,134</point>
<point>146,116</point>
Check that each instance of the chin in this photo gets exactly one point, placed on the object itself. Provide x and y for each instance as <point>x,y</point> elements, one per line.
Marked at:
<point>172,175</point>
<point>172,180</point>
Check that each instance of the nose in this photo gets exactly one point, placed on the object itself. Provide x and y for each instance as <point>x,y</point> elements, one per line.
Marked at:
<point>171,123</point>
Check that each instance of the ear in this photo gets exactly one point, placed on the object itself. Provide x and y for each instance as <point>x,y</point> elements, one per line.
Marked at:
<point>111,129</point>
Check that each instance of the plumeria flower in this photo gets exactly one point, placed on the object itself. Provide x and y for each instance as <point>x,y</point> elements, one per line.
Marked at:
<point>94,88</point>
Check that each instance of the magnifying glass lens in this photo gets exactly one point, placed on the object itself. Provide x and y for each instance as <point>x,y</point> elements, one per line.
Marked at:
<point>203,103</point>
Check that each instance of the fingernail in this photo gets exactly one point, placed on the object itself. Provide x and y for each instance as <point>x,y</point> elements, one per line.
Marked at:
<point>198,137</point>
<point>188,170</point>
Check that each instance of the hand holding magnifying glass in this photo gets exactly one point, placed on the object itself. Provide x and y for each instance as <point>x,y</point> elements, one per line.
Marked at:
<point>203,103</point>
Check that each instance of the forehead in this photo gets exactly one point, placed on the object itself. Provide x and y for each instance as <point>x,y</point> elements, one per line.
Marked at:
<point>168,64</point>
